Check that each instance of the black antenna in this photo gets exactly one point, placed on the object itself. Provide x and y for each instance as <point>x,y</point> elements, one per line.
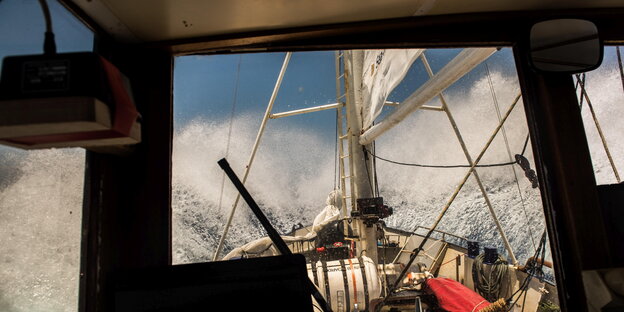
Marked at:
<point>49,45</point>
<point>275,237</point>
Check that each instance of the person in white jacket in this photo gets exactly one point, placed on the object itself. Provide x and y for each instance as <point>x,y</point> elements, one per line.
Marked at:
<point>264,247</point>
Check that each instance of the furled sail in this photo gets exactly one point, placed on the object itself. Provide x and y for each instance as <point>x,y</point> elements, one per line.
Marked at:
<point>382,71</point>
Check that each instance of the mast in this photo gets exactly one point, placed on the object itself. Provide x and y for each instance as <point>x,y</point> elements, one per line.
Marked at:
<point>361,169</point>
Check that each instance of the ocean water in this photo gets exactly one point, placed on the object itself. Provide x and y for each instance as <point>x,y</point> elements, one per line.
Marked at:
<point>41,191</point>
<point>294,171</point>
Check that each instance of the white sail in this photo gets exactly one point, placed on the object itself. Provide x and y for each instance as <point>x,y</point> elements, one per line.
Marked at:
<point>383,71</point>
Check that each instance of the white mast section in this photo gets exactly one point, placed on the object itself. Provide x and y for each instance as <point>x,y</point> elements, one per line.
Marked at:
<point>359,170</point>
<point>463,63</point>
<point>253,151</point>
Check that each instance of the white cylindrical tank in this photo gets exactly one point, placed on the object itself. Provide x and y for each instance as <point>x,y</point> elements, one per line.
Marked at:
<point>345,283</point>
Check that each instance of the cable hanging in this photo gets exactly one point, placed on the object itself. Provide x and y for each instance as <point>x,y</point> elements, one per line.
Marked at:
<point>619,57</point>
<point>437,166</point>
<point>49,44</point>
<point>227,146</point>
<point>513,168</point>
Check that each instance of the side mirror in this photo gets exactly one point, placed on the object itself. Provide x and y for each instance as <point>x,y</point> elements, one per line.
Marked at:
<point>565,46</point>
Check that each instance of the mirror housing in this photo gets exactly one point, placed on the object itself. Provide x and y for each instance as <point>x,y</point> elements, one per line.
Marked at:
<point>565,46</point>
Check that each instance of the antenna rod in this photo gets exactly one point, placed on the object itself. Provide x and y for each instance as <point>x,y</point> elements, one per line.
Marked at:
<point>275,237</point>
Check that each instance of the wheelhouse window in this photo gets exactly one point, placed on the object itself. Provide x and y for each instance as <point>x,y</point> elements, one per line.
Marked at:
<point>300,169</point>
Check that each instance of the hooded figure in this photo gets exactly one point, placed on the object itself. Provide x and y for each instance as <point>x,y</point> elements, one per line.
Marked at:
<point>331,212</point>
<point>325,222</point>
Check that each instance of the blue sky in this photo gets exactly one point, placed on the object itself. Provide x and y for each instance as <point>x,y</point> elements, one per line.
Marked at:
<point>204,86</point>
<point>22,27</point>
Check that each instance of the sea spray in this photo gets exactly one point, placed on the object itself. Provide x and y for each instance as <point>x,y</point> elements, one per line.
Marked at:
<point>294,172</point>
<point>40,217</point>
<point>290,178</point>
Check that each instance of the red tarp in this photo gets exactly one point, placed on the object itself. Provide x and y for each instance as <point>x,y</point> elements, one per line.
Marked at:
<point>455,297</point>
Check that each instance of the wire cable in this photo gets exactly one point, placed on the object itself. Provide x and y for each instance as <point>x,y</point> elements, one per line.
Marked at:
<point>370,183</point>
<point>513,168</point>
<point>375,176</point>
<point>438,166</point>
<point>49,44</point>
<point>526,143</point>
<point>619,57</point>
<point>227,146</point>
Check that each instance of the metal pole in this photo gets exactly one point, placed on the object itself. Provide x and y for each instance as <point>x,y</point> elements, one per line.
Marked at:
<point>339,137</point>
<point>305,110</point>
<point>253,152</point>
<point>619,57</point>
<point>602,137</point>
<point>359,171</point>
<point>474,172</point>
<point>459,66</point>
<point>275,237</point>
<point>450,201</point>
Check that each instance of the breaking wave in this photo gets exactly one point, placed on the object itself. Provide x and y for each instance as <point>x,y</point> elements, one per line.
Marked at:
<point>295,171</point>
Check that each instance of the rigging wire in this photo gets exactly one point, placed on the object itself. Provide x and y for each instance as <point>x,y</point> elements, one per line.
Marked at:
<point>526,142</point>
<point>513,168</point>
<point>534,268</point>
<point>376,177</point>
<point>366,159</point>
<point>227,146</point>
<point>580,82</point>
<point>619,57</point>
<point>599,128</point>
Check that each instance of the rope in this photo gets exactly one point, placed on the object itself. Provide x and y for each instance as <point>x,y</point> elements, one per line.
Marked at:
<point>578,83</point>
<point>490,285</point>
<point>534,268</point>
<point>526,143</point>
<point>454,259</point>
<point>513,168</point>
<point>227,146</point>
<point>478,304</point>
<point>376,177</point>
<point>498,306</point>
<point>370,183</point>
